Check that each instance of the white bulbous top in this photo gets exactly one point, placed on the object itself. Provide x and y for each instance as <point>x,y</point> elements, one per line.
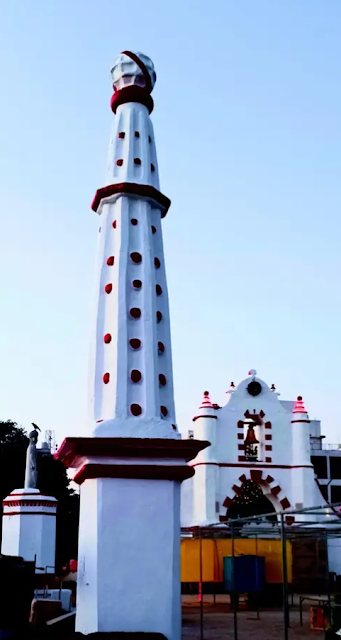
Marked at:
<point>126,71</point>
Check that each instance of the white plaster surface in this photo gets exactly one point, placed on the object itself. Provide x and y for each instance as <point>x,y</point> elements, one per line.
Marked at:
<point>124,585</point>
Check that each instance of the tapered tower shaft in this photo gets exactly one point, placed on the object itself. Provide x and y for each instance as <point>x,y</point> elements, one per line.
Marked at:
<point>131,363</point>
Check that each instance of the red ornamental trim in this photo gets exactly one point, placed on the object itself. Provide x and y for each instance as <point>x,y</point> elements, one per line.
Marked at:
<point>285,504</point>
<point>28,503</point>
<point>204,416</point>
<point>268,459</point>
<point>72,448</point>
<point>141,472</point>
<point>250,465</point>
<point>29,513</point>
<point>132,93</point>
<point>256,475</point>
<point>135,190</point>
<point>106,378</point>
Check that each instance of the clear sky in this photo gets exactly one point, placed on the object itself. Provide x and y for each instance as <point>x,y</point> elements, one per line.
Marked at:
<point>247,124</point>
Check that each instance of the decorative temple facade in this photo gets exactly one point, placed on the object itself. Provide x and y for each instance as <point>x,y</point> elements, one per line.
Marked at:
<point>266,455</point>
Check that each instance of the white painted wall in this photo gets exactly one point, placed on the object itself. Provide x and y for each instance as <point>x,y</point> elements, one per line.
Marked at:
<point>134,548</point>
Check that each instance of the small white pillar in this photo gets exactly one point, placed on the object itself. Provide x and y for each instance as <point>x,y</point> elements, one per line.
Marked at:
<point>29,528</point>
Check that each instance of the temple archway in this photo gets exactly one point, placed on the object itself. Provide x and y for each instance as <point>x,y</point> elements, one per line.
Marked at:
<point>251,501</point>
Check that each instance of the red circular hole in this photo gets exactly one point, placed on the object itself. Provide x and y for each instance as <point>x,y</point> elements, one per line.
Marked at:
<point>135,313</point>
<point>107,338</point>
<point>121,135</point>
<point>108,288</point>
<point>114,224</point>
<point>136,257</point>
<point>135,409</point>
<point>135,375</point>
<point>160,347</point>
<point>164,410</point>
<point>153,229</point>
<point>157,263</point>
<point>158,316</point>
<point>137,284</point>
<point>137,161</point>
<point>119,162</point>
<point>135,343</point>
<point>137,135</point>
<point>158,289</point>
<point>134,221</point>
<point>106,378</point>
<point>174,426</point>
<point>110,261</point>
<point>152,168</point>
<point>162,380</point>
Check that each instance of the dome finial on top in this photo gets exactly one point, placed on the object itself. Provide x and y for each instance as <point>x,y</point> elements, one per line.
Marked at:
<point>206,401</point>
<point>299,406</point>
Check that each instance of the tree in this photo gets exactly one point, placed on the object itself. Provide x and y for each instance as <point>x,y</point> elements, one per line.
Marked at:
<point>52,480</point>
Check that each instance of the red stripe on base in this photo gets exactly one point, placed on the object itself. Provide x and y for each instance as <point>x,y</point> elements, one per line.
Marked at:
<point>28,513</point>
<point>71,448</point>
<point>138,472</point>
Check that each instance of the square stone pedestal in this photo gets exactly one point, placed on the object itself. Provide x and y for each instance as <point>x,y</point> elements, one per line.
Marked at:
<point>129,534</point>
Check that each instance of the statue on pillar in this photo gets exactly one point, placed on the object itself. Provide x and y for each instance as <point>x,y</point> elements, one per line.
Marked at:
<point>31,474</point>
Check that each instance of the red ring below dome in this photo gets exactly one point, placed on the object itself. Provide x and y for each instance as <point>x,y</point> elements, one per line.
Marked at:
<point>133,93</point>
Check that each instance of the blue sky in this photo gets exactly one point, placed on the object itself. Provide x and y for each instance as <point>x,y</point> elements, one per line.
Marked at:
<point>247,124</point>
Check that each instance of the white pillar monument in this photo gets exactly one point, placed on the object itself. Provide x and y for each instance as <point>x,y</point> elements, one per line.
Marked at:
<point>131,469</point>
<point>29,518</point>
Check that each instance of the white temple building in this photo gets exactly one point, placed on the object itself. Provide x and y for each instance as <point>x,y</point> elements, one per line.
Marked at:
<point>266,455</point>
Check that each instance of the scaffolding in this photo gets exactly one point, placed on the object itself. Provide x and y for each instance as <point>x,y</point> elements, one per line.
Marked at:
<point>316,526</point>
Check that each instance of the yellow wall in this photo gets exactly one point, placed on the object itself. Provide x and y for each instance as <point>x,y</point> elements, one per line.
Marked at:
<point>213,552</point>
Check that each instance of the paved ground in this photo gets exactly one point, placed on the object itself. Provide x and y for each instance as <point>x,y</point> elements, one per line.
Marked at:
<point>218,624</point>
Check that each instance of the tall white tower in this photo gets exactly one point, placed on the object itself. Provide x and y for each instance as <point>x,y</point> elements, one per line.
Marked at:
<point>131,362</point>
<point>132,467</point>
